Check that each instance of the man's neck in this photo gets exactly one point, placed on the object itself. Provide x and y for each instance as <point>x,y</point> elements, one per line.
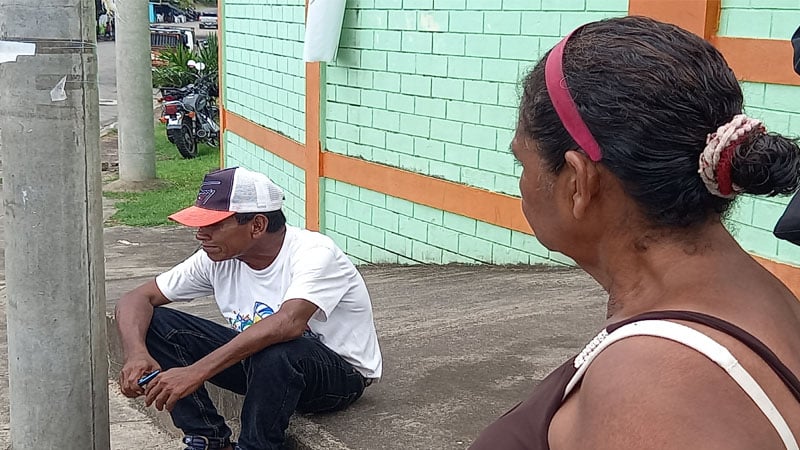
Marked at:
<point>264,252</point>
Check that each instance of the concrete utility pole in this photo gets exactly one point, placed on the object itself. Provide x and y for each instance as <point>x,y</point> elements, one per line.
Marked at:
<point>49,124</point>
<point>137,157</point>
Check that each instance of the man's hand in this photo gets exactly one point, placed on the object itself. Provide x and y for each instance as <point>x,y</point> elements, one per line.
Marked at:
<point>172,385</point>
<point>135,368</point>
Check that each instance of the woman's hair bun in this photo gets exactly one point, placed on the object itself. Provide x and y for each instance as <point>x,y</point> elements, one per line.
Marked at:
<point>767,164</point>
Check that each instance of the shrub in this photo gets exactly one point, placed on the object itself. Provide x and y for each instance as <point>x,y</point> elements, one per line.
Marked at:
<point>171,66</point>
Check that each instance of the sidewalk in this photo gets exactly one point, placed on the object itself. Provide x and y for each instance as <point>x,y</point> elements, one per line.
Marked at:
<point>461,345</point>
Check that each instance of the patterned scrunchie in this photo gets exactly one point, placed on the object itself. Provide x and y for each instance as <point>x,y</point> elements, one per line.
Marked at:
<point>715,161</point>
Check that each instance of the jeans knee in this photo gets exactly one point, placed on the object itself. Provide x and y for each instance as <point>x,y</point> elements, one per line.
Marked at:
<point>164,318</point>
<point>276,353</point>
<point>164,323</point>
<point>277,358</point>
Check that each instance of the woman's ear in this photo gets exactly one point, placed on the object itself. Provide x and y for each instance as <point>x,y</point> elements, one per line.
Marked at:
<point>586,182</point>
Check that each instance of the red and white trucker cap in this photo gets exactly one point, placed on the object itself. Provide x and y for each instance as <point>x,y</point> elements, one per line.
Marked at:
<point>227,192</point>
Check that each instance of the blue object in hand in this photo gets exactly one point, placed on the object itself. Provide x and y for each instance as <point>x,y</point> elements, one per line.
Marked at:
<point>145,379</point>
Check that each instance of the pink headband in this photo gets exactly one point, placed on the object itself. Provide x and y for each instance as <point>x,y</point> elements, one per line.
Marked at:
<point>563,103</point>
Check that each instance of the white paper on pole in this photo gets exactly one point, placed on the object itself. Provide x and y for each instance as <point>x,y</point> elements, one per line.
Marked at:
<point>9,50</point>
<point>323,30</point>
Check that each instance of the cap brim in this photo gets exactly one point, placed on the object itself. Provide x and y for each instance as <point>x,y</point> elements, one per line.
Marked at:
<point>199,217</point>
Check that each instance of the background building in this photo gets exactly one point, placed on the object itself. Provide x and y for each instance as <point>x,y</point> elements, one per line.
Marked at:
<point>399,149</point>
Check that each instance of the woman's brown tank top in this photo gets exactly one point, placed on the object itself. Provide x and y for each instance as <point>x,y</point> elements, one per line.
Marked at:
<point>526,426</point>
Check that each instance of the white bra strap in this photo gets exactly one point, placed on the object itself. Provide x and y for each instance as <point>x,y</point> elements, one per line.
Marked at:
<point>703,344</point>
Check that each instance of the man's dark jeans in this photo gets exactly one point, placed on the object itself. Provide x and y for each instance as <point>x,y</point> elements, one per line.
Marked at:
<point>300,375</point>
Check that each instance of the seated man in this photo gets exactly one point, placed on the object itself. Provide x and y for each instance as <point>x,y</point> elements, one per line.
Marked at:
<point>301,334</point>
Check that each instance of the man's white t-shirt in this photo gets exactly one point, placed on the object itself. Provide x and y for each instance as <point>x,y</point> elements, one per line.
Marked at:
<point>309,266</point>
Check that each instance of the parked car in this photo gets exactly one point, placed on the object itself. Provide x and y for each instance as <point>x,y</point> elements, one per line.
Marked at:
<point>208,20</point>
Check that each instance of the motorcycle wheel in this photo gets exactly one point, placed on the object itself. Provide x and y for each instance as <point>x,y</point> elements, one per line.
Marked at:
<point>184,140</point>
<point>171,135</point>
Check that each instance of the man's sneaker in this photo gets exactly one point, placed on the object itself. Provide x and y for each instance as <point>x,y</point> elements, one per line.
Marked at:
<point>206,443</point>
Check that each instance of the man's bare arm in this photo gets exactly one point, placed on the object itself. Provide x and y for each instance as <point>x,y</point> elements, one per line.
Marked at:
<point>134,311</point>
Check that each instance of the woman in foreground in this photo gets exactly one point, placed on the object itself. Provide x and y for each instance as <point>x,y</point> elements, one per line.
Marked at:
<point>633,146</point>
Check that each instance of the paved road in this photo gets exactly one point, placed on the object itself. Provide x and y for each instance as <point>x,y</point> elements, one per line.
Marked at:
<point>107,82</point>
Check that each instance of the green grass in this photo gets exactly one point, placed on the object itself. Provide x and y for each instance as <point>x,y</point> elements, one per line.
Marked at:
<point>181,179</point>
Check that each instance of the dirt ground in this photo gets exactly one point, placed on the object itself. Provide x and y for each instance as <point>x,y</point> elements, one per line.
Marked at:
<point>109,152</point>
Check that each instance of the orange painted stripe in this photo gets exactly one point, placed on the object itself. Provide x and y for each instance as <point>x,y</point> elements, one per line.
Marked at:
<point>759,60</point>
<point>497,209</point>
<point>698,16</point>
<point>313,150</point>
<point>223,125</point>
<point>490,207</point>
<point>221,81</point>
<point>275,143</point>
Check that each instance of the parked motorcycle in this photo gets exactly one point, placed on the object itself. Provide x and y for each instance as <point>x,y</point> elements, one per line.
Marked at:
<point>191,113</point>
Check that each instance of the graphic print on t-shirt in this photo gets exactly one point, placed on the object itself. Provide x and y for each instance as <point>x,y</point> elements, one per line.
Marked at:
<point>260,311</point>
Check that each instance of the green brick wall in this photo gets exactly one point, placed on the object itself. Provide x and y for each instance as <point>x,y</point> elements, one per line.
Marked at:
<point>292,179</point>
<point>264,71</point>
<point>753,218</point>
<point>774,19</point>
<point>377,228</point>
<point>430,86</point>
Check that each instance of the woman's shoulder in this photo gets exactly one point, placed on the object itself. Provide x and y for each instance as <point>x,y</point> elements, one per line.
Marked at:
<point>646,391</point>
